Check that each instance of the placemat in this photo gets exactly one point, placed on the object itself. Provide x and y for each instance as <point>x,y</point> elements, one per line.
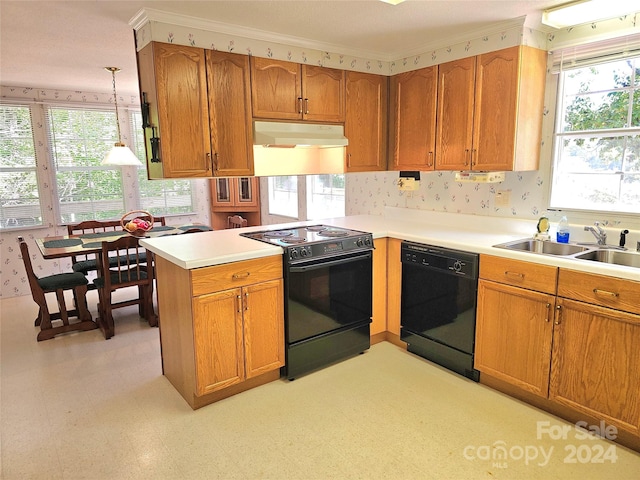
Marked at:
<point>67,242</point>
<point>199,227</point>
<point>102,234</point>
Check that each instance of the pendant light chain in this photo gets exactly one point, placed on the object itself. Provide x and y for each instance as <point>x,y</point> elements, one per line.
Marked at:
<point>113,71</point>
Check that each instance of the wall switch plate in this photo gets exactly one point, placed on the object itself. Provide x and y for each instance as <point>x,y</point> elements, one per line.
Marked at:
<point>503,198</point>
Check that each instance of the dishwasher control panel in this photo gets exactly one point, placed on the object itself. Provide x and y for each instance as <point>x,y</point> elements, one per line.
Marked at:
<point>429,256</point>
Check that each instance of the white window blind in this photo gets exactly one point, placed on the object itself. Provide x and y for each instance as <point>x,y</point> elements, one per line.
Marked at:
<point>595,53</point>
<point>79,140</point>
<point>159,197</point>
<point>19,194</point>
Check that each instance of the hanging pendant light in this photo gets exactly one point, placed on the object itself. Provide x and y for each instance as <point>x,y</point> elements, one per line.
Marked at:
<point>120,154</point>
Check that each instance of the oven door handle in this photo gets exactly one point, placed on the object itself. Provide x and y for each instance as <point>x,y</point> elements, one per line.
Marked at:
<point>331,263</point>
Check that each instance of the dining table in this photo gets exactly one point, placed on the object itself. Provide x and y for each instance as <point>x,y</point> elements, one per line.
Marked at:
<point>91,243</point>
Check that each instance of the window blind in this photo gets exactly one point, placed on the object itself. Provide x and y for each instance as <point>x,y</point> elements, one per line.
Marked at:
<point>595,52</point>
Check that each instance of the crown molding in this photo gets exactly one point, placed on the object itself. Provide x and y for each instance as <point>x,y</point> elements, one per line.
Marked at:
<point>146,15</point>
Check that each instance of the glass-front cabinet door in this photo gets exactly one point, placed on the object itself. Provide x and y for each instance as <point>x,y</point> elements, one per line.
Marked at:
<point>245,193</point>
<point>222,192</point>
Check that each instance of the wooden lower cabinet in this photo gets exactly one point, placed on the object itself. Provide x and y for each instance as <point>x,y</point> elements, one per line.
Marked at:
<point>595,362</point>
<point>513,335</point>
<point>221,327</point>
<point>574,352</point>
<point>238,334</point>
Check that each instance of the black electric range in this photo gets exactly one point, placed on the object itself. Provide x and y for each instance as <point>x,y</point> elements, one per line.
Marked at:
<point>328,293</point>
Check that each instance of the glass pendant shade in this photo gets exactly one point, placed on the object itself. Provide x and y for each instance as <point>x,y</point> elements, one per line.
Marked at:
<point>120,155</point>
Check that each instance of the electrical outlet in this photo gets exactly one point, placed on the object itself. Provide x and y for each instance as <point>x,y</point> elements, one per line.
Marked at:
<point>503,198</point>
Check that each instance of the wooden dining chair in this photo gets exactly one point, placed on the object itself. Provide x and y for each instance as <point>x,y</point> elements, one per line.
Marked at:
<point>236,221</point>
<point>89,263</point>
<point>122,264</point>
<point>58,283</point>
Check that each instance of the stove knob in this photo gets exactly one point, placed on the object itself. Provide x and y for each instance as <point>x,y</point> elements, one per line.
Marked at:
<point>304,252</point>
<point>294,254</point>
<point>359,242</point>
<point>367,241</point>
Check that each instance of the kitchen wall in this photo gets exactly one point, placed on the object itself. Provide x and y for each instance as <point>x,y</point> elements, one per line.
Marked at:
<point>367,193</point>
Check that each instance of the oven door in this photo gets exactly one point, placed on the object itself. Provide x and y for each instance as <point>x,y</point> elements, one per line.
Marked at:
<point>324,296</point>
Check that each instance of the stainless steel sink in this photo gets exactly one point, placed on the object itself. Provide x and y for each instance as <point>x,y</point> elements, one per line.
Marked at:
<point>544,247</point>
<point>617,257</point>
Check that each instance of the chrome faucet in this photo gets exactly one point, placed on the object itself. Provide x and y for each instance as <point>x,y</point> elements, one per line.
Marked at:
<point>598,232</point>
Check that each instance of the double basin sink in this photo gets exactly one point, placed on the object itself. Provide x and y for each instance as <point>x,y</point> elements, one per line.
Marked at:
<point>594,253</point>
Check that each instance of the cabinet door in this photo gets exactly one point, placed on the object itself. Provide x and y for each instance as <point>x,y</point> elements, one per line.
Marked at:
<point>246,192</point>
<point>276,89</point>
<point>229,87</point>
<point>456,87</point>
<point>413,122</point>
<point>263,305</point>
<point>366,122</point>
<point>217,333</point>
<point>323,92</point>
<point>180,108</point>
<point>513,335</point>
<point>221,194</point>
<point>495,110</point>
<point>595,363</point>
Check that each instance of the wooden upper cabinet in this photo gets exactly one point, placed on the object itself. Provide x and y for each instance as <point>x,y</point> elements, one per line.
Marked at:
<point>456,88</point>
<point>229,87</point>
<point>412,126</point>
<point>490,111</point>
<point>173,81</point>
<point>289,91</point>
<point>366,122</point>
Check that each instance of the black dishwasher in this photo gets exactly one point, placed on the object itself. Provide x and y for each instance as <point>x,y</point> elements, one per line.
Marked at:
<point>438,305</point>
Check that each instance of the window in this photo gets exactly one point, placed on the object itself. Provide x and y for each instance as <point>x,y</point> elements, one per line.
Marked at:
<point>325,196</point>
<point>283,196</point>
<point>19,195</point>
<point>159,197</point>
<point>320,196</point>
<point>80,139</point>
<point>597,157</point>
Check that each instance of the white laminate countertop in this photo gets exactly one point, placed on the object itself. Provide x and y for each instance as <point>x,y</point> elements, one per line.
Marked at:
<point>470,233</point>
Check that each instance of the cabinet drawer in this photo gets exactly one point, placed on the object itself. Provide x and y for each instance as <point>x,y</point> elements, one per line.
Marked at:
<point>237,274</point>
<point>600,290</point>
<point>541,278</point>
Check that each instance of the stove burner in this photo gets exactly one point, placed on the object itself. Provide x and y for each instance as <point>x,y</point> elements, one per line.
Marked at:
<point>316,228</point>
<point>293,240</point>
<point>277,234</point>
<point>332,233</point>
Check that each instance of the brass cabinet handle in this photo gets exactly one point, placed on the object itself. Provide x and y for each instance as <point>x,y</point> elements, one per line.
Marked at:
<point>306,106</point>
<point>474,157</point>
<point>237,276</point>
<point>300,105</point>
<point>430,160</point>
<point>514,274</point>
<point>239,298</point>
<point>467,155</point>
<point>605,293</point>
<point>246,301</point>
<point>548,308</point>
<point>559,309</point>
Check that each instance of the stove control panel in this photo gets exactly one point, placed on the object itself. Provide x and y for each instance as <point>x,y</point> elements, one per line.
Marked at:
<point>328,247</point>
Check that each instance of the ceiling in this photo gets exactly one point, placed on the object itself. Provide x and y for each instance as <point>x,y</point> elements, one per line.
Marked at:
<point>65,44</point>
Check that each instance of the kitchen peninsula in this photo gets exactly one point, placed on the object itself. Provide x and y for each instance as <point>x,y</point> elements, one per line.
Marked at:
<point>201,276</point>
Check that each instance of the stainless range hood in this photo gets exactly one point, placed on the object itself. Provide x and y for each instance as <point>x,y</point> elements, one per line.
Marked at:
<point>298,149</point>
<point>280,134</point>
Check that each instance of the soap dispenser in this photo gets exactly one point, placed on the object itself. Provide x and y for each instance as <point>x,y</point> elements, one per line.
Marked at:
<point>562,234</point>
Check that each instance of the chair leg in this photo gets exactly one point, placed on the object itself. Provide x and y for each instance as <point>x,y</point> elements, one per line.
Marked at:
<point>147,299</point>
<point>62,305</point>
<point>107,323</point>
